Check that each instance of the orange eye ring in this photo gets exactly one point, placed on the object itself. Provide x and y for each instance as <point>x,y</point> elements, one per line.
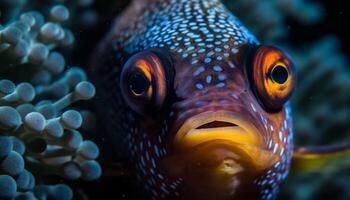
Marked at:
<point>273,77</point>
<point>143,82</point>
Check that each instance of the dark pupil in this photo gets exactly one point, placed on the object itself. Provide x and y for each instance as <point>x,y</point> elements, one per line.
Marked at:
<point>138,83</point>
<point>279,74</point>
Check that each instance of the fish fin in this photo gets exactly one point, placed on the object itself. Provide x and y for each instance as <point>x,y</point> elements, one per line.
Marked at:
<point>318,158</point>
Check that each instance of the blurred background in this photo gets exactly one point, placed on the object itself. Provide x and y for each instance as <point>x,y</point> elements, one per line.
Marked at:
<point>314,32</point>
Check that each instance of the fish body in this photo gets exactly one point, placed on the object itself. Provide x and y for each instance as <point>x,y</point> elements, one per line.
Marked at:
<point>201,129</point>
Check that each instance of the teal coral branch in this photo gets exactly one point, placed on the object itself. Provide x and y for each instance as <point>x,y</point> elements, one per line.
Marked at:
<point>40,131</point>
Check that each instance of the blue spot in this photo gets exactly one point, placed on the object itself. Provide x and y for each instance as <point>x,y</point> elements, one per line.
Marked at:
<point>199,86</point>
<point>207,60</point>
<point>280,135</point>
<point>185,55</point>
<point>220,85</point>
<point>210,53</point>
<point>173,186</point>
<point>142,161</point>
<point>222,77</point>
<point>282,151</point>
<point>224,101</point>
<point>217,30</point>
<point>283,159</point>
<point>156,151</point>
<point>234,50</point>
<point>210,35</point>
<point>141,146</point>
<point>225,39</point>
<point>218,49</point>
<point>235,96</point>
<point>217,68</point>
<point>160,176</point>
<point>190,48</point>
<point>204,30</point>
<point>194,62</point>
<point>277,164</point>
<point>201,50</point>
<point>200,103</point>
<point>198,71</point>
<point>219,58</point>
<point>165,190</point>
<point>275,148</point>
<point>208,79</point>
<point>191,35</point>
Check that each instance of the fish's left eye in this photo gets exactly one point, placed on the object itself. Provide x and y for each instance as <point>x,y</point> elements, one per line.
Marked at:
<point>145,81</point>
<point>272,76</point>
<point>139,84</point>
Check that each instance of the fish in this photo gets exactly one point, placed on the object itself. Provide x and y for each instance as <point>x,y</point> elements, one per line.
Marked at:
<point>197,104</point>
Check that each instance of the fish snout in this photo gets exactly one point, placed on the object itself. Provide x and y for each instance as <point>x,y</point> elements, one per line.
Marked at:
<point>221,151</point>
<point>224,130</point>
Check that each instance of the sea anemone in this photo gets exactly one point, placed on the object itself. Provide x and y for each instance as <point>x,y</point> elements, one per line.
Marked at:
<point>39,129</point>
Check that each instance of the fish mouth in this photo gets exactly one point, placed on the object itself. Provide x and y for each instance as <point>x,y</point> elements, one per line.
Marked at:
<point>229,132</point>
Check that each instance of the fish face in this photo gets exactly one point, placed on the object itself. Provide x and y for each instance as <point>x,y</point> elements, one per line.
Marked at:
<point>223,138</point>
<point>198,104</point>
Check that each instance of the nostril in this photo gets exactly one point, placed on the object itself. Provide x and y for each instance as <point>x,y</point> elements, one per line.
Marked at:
<point>216,124</point>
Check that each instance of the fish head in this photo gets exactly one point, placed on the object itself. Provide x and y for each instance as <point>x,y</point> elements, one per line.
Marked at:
<point>223,126</point>
<point>231,129</point>
<point>201,105</point>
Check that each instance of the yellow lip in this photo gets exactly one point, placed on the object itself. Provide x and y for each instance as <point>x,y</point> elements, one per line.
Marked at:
<point>244,136</point>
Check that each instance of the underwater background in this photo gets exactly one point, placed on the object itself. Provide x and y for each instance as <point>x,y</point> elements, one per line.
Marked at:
<point>53,146</point>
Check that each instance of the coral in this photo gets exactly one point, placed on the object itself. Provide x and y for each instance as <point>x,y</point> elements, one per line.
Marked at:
<point>32,40</point>
<point>82,12</point>
<point>40,135</point>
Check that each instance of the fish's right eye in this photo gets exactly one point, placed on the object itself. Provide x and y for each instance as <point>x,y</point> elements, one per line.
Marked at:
<point>144,80</point>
